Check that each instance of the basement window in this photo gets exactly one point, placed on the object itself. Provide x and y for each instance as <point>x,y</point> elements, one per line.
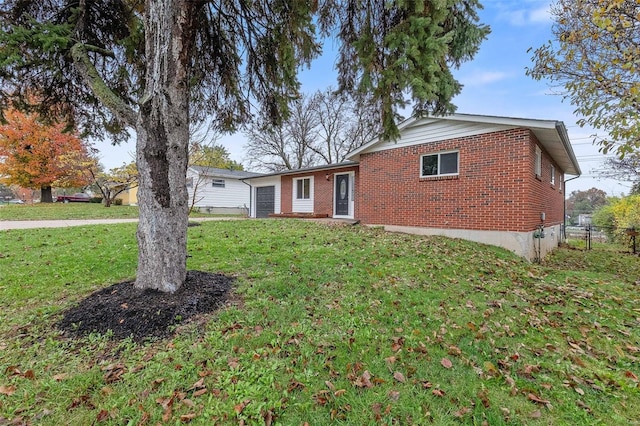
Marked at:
<point>440,164</point>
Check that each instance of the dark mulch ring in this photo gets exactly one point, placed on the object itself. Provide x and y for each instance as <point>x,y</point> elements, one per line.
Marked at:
<point>143,314</point>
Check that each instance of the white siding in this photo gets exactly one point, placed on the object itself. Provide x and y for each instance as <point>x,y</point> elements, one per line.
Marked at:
<point>234,194</point>
<point>302,205</point>
<point>266,181</point>
<point>435,130</point>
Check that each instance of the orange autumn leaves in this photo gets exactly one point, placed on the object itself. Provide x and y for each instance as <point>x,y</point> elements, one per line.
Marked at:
<point>38,155</point>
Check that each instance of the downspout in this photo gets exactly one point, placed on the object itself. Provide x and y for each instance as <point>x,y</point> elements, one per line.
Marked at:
<point>250,196</point>
<point>564,208</point>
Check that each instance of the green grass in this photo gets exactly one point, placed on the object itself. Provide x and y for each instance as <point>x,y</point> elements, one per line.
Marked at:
<point>332,325</point>
<point>65,211</point>
<point>70,211</point>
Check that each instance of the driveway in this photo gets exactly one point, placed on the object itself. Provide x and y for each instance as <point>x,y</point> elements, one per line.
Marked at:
<point>31,224</point>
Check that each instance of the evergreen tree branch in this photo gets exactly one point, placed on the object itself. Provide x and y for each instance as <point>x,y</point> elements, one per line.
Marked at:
<point>87,69</point>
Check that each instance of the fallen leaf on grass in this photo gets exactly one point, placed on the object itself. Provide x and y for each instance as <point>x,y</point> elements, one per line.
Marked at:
<point>233,363</point>
<point>446,363</point>
<point>535,398</point>
<point>461,412</point>
<point>60,377</point>
<point>197,385</point>
<point>363,381</point>
<point>438,392</point>
<point>454,350</point>
<point>630,375</point>
<point>186,418</point>
<point>535,415</point>
<point>102,416</point>
<point>583,406</point>
<point>484,397</point>
<point>199,392</point>
<point>238,408</point>
<point>339,392</point>
<point>7,390</point>
<point>393,395</point>
<point>113,372</point>
<point>399,377</point>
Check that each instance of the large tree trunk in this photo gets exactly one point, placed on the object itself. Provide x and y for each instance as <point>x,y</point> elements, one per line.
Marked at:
<point>45,194</point>
<point>161,152</point>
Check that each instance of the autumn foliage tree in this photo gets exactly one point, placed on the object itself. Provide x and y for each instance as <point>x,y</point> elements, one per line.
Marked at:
<point>37,155</point>
<point>595,61</point>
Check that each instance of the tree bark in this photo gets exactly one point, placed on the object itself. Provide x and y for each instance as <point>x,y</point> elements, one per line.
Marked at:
<point>161,151</point>
<point>45,194</point>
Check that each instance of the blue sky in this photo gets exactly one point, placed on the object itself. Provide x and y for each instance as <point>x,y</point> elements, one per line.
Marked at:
<point>494,84</point>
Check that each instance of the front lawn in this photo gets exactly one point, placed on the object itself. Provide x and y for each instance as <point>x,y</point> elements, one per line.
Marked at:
<point>329,324</point>
<point>70,211</point>
<point>65,211</point>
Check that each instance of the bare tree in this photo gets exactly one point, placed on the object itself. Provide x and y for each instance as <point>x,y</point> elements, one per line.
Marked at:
<point>627,168</point>
<point>344,124</point>
<point>322,129</point>
<point>285,147</point>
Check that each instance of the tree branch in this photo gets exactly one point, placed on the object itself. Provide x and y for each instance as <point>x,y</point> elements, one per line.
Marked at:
<point>99,88</point>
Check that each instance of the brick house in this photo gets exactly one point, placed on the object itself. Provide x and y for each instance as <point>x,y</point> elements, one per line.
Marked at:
<point>495,180</point>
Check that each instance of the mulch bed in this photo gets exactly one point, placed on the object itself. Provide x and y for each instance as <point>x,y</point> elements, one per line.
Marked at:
<point>145,314</point>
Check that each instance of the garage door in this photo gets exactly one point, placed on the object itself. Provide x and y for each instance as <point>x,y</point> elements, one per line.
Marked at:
<point>265,200</point>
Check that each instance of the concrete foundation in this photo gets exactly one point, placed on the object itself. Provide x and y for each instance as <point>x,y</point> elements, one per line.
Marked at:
<point>524,244</point>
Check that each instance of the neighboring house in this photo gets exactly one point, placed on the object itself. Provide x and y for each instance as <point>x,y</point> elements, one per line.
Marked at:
<point>129,196</point>
<point>221,191</point>
<point>584,219</point>
<point>495,180</point>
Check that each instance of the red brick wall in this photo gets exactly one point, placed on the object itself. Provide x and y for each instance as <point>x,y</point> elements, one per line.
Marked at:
<point>323,189</point>
<point>543,196</point>
<point>496,188</point>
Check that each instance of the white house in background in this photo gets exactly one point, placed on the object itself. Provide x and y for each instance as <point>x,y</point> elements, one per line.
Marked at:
<point>219,191</point>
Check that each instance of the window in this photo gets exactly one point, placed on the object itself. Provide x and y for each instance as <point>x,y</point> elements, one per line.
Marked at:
<point>538,161</point>
<point>218,183</point>
<point>553,175</point>
<point>303,189</point>
<point>190,182</point>
<point>441,164</point>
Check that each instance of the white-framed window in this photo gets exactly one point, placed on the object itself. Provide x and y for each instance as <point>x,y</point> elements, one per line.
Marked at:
<point>440,164</point>
<point>303,189</point>
<point>538,161</point>
<point>218,183</point>
<point>553,175</point>
<point>190,182</point>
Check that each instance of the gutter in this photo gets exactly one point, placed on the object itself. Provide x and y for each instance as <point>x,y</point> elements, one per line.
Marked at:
<point>564,138</point>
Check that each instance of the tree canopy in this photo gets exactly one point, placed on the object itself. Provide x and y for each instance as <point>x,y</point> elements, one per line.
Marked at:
<point>160,65</point>
<point>212,155</point>
<point>37,155</point>
<point>584,202</point>
<point>594,57</point>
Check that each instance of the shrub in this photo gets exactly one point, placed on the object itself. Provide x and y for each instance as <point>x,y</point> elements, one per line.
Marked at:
<point>95,200</point>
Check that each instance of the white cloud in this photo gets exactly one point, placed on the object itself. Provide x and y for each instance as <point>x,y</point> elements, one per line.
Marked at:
<point>481,78</point>
<point>521,14</point>
<point>540,15</point>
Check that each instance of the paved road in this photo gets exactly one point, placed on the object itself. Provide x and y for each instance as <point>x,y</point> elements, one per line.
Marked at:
<point>31,224</point>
